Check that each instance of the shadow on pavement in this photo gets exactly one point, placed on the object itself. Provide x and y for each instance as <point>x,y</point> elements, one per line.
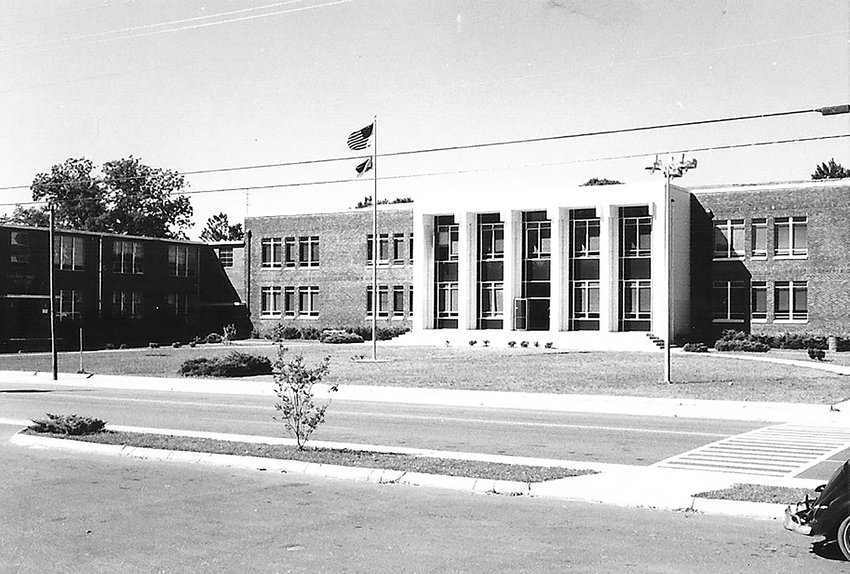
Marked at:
<point>25,391</point>
<point>828,549</point>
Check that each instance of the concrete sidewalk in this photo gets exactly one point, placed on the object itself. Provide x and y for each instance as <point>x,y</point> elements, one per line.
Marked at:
<point>838,414</point>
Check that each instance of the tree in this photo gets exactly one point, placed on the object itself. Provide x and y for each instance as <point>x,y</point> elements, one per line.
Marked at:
<point>218,228</point>
<point>367,201</point>
<point>600,181</point>
<point>831,170</point>
<point>294,389</point>
<point>130,198</point>
<point>31,216</point>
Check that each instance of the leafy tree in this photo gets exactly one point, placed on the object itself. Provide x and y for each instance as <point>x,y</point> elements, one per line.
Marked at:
<point>32,216</point>
<point>140,202</point>
<point>294,389</point>
<point>600,181</point>
<point>218,228</point>
<point>130,198</point>
<point>831,170</point>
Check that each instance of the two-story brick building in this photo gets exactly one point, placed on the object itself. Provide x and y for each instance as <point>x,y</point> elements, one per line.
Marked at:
<point>118,289</point>
<point>584,263</point>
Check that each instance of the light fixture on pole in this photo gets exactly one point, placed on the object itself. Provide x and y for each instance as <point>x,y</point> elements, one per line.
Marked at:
<point>671,169</point>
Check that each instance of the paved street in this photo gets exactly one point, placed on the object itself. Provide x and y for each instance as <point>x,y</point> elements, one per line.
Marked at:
<point>69,513</point>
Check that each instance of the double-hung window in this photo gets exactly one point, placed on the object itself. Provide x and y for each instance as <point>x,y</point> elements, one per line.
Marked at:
<point>759,229</point>
<point>308,301</point>
<point>69,253</point>
<point>758,301</point>
<point>308,251</point>
<point>790,301</point>
<point>270,301</point>
<point>729,301</point>
<point>182,260</point>
<point>127,257</point>
<point>729,239</point>
<point>791,237</point>
<point>271,252</point>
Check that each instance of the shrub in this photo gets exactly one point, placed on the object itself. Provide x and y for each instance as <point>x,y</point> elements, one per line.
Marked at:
<point>228,334</point>
<point>176,344</point>
<point>340,337</point>
<point>122,346</point>
<point>548,345</point>
<point>741,345</point>
<point>818,354</point>
<point>695,348</point>
<point>234,364</point>
<point>536,344</point>
<point>153,345</point>
<point>67,424</point>
<point>473,343</point>
<point>213,338</point>
<point>193,344</point>
<point>109,346</point>
<point>511,344</point>
<point>294,389</point>
<point>384,333</point>
<point>523,344</point>
<point>486,342</point>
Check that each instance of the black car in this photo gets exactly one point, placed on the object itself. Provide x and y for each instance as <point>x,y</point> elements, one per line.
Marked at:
<point>829,514</point>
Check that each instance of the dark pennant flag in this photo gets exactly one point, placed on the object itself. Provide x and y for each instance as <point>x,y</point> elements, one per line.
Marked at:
<point>364,167</point>
<point>360,139</point>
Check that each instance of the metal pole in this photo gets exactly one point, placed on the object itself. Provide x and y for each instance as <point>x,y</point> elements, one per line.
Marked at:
<point>54,357</point>
<point>375,240</point>
<point>82,370</point>
<point>669,266</point>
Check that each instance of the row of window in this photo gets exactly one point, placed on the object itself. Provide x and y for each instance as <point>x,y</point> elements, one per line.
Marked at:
<point>391,249</point>
<point>790,238</point>
<point>277,252</point>
<point>290,301</point>
<point>121,304</point>
<point>128,257</point>
<point>391,301</point>
<point>732,301</point>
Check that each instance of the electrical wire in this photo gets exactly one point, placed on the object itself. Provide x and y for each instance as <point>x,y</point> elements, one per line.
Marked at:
<point>489,169</point>
<point>473,146</point>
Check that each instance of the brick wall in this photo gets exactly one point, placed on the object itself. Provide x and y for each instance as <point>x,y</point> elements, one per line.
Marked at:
<point>343,273</point>
<point>826,267</point>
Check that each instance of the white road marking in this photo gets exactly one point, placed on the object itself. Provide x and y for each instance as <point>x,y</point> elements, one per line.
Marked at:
<point>784,450</point>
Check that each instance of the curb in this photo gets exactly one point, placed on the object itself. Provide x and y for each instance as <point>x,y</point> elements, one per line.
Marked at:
<point>754,510</point>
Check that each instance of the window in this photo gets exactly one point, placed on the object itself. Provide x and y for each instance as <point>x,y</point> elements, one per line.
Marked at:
<point>128,257</point>
<point>729,239</point>
<point>492,300</point>
<point>290,247</point>
<point>538,239</point>
<point>398,301</point>
<point>398,247</point>
<point>758,301</point>
<point>729,301</point>
<point>383,249</point>
<point>127,304</point>
<point>759,238</point>
<point>270,248</point>
<point>637,300</point>
<point>180,304</point>
<point>791,237</point>
<point>790,301</point>
<point>410,248</point>
<point>19,247</point>
<point>447,243</point>
<point>447,300</point>
<point>182,260</point>
<point>636,236</point>
<point>225,256</point>
<point>69,253</point>
<point>289,309</point>
<point>70,304</point>
<point>410,300</point>
<point>383,301</point>
<point>491,241</point>
<point>585,237</point>
<point>270,301</point>
<point>308,251</point>
<point>308,301</point>
<point>585,303</point>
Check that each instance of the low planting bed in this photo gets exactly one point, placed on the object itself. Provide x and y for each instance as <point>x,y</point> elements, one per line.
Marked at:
<point>340,457</point>
<point>759,493</point>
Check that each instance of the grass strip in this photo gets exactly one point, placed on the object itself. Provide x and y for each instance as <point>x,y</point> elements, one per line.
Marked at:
<point>759,493</point>
<point>340,457</point>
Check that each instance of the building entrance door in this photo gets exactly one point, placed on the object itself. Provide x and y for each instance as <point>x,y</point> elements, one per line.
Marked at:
<point>538,315</point>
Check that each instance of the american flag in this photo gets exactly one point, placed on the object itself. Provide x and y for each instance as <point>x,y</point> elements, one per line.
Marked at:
<point>364,167</point>
<point>360,139</point>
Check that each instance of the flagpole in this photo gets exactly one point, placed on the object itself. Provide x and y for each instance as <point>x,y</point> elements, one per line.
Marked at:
<point>375,239</point>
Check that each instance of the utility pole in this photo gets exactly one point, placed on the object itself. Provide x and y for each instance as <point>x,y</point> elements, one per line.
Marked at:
<point>50,258</point>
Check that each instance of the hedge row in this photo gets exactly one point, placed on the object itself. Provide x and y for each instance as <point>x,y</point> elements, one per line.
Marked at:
<point>233,364</point>
<point>281,332</point>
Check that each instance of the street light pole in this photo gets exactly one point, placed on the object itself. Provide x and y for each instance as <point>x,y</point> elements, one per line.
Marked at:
<point>51,290</point>
<point>670,169</point>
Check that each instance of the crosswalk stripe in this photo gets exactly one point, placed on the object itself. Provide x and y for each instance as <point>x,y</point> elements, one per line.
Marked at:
<point>780,450</point>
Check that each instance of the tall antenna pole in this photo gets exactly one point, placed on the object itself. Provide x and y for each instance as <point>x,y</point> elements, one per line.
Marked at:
<point>375,240</point>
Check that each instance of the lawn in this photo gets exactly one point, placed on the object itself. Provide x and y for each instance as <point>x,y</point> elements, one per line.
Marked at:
<point>340,457</point>
<point>502,369</point>
<point>760,493</point>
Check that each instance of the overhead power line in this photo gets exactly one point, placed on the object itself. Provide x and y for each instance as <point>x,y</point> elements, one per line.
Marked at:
<point>482,170</point>
<point>828,110</point>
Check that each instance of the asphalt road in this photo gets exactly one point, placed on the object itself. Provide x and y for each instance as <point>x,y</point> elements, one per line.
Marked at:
<point>567,436</point>
<point>69,513</point>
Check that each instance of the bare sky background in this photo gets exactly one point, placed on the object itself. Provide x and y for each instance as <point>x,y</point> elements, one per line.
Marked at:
<point>206,84</point>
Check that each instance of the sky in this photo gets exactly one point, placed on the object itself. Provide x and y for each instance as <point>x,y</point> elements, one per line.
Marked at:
<point>198,85</point>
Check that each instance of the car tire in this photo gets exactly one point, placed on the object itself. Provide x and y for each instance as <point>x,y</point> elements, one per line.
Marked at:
<point>844,537</point>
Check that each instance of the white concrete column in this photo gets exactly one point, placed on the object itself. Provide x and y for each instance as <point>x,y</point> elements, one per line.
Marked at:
<point>467,272</point>
<point>559,305</point>
<point>513,259</point>
<point>659,267</point>
<point>609,236</point>
<point>423,272</point>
